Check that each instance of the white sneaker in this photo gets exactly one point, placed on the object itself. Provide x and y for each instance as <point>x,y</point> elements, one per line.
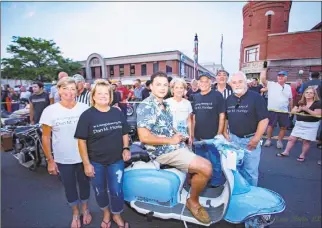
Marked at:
<point>279,145</point>
<point>268,143</point>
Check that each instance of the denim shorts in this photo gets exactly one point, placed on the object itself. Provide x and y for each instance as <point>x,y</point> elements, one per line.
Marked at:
<point>282,119</point>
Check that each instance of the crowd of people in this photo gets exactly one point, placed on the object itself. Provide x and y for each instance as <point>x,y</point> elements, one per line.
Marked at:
<point>86,141</point>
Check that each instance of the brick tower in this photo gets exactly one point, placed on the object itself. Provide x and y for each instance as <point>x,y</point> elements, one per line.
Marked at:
<point>259,20</point>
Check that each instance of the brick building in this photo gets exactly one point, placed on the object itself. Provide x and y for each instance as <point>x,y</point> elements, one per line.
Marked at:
<point>266,37</point>
<point>142,66</point>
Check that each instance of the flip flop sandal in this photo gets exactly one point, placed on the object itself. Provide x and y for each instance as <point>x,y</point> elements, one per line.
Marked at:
<point>281,155</point>
<point>77,218</point>
<point>300,159</point>
<point>125,223</point>
<point>107,223</point>
<point>86,213</point>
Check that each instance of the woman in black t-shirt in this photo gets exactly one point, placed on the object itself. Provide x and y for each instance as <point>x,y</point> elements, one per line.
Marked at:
<point>103,142</point>
<point>306,127</point>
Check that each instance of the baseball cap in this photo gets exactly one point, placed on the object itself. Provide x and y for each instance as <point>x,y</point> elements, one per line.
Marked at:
<point>221,70</point>
<point>78,78</point>
<point>282,73</point>
<point>205,74</point>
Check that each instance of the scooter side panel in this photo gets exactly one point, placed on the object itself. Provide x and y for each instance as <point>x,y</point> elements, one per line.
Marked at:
<point>258,201</point>
<point>157,187</point>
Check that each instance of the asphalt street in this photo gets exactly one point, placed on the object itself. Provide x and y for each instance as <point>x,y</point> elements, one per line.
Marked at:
<point>35,199</point>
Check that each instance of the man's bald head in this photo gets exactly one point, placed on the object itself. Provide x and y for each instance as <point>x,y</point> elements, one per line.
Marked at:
<point>62,75</point>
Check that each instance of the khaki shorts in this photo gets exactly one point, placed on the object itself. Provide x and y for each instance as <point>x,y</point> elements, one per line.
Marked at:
<point>180,159</point>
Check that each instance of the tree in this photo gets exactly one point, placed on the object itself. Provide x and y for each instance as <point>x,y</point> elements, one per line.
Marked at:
<point>36,57</point>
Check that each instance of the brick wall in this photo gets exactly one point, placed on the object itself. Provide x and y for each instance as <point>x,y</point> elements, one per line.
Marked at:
<point>127,70</point>
<point>295,46</point>
<point>149,68</point>
<point>116,71</point>
<point>162,66</point>
<point>175,67</point>
<point>138,69</point>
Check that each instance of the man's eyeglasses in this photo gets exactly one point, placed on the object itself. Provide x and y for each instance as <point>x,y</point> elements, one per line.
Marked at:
<point>238,103</point>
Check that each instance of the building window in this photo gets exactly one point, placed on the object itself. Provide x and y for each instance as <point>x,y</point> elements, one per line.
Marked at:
<point>132,70</point>
<point>155,67</point>
<point>121,70</point>
<point>84,72</point>
<point>143,69</point>
<point>93,72</point>
<point>251,54</point>
<point>169,67</point>
<point>269,21</point>
<point>111,70</point>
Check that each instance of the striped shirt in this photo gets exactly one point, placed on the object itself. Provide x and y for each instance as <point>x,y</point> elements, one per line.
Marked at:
<point>227,91</point>
<point>84,97</point>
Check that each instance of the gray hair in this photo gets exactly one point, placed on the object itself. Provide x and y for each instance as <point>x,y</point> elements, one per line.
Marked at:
<point>238,73</point>
<point>193,81</point>
<point>178,80</point>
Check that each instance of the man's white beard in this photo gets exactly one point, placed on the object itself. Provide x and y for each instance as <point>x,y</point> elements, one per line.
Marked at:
<point>238,91</point>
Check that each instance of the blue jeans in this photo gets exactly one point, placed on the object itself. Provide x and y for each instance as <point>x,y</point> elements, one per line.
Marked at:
<point>71,175</point>
<point>211,154</point>
<point>108,186</point>
<point>249,168</point>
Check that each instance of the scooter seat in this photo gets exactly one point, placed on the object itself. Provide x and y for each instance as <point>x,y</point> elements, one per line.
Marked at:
<point>138,153</point>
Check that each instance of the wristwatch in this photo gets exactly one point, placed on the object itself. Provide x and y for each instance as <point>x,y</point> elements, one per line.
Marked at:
<point>126,148</point>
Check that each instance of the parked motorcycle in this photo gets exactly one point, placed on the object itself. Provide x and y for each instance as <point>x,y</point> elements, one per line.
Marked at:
<point>131,120</point>
<point>27,146</point>
<point>17,118</point>
<point>161,191</point>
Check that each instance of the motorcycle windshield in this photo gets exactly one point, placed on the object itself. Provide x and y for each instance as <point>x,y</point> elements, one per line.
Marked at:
<point>257,201</point>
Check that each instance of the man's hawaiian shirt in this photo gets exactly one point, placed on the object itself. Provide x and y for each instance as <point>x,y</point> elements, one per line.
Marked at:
<point>159,122</point>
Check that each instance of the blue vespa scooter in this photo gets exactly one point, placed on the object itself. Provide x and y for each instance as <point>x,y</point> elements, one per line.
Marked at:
<point>161,191</point>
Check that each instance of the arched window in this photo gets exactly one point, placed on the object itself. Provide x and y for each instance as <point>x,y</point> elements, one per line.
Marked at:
<point>269,18</point>
<point>269,21</point>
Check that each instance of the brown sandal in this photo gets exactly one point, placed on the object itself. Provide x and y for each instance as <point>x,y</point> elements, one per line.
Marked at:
<point>107,223</point>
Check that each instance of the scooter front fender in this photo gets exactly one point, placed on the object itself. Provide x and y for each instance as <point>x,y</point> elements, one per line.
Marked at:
<point>257,201</point>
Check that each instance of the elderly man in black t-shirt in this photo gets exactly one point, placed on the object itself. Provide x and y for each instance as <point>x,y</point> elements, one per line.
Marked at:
<point>208,121</point>
<point>247,118</point>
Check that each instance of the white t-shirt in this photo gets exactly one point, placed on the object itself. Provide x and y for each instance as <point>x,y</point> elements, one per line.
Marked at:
<point>64,122</point>
<point>180,112</point>
<point>54,94</point>
<point>278,97</point>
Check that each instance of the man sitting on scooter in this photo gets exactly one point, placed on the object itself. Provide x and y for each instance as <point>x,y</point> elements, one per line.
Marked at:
<point>155,128</point>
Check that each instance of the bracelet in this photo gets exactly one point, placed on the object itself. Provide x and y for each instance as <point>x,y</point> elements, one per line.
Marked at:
<point>126,148</point>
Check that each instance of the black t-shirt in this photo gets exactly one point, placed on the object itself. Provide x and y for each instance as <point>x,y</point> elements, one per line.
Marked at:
<point>207,109</point>
<point>191,93</point>
<point>103,132</point>
<point>116,98</point>
<point>244,113</point>
<point>256,88</point>
<point>145,93</point>
<point>39,103</point>
<point>315,105</point>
